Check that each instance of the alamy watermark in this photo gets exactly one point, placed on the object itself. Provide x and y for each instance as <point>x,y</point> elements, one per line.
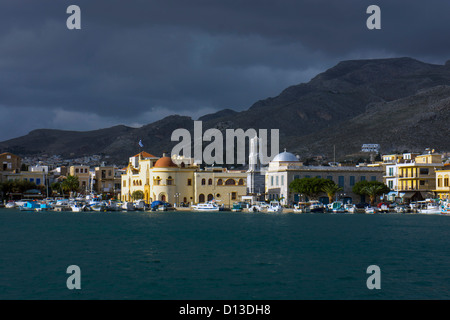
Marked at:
<point>216,153</point>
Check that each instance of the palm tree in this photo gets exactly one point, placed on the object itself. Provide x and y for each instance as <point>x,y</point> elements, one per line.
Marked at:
<point>137,195</point>
<point>70,184</point>
<point>331,189</point>
<point>373,191</point>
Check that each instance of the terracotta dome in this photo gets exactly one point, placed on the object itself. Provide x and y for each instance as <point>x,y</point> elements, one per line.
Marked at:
<point>165,162</point>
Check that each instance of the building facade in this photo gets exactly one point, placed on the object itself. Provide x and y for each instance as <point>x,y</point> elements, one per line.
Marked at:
<point>442,190</point>
<point>83,174</point>
<point>164,180</point>
<point>285,167</point>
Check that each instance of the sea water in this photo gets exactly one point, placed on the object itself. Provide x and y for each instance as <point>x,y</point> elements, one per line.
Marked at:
<point>223,256</point>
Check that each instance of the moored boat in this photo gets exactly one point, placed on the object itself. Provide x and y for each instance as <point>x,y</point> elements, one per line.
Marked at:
<point>207,206</point>
<point>428,206</point>
<point>275,206</point>
<point>445,207</point>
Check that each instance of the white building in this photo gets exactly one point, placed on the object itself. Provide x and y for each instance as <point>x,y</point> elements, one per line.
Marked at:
<point>285,167</point>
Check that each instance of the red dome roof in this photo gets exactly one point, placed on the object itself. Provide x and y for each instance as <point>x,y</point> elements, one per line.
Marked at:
<point>165,162</point>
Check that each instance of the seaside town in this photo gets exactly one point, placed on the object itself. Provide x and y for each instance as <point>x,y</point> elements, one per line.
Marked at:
<point>401,183</point>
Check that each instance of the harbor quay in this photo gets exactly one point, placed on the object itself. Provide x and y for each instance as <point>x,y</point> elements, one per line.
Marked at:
<point>173,182</point>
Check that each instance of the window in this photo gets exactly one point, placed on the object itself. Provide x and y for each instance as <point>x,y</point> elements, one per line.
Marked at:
<point>230,182</point>
<point>189,182</point>
<point>391,184</point>
<point>219,182</point>
<point>124,183</point>
<point>218,195</point>
<point>296,177</point>
<point>282,180</point>
<point>203,181</point>
<point>446,182</point>
<point>422,182</point>
<point>373,178</point>
<point>363,178</point>
<point>271,181</point>
<point>341,180</point>
<point>38,181</point>
<point>277,181</point>
<point>439,182</point>
<point>209,182</point>
<point>157,181</point>
<point>424,171</point>
<point>391,172</point>
<point>169,181</point>
<point>352,181</point>
<point>241,182</point>
<point>233,196</point>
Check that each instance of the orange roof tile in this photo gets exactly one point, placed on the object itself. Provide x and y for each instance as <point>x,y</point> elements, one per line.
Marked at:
<point>145,155</point>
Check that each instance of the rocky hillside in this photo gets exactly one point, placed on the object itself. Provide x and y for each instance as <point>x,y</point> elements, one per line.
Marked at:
<point>399,103</point>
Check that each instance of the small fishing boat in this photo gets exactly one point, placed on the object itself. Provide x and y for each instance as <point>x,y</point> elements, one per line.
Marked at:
<point>445,207</point>
<point>302,207</point>
<point>429,206</point>
<point>275,206</point>
<point>207,206</point>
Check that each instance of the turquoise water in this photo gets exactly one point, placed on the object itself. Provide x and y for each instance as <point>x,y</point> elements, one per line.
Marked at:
<point>224,256</point>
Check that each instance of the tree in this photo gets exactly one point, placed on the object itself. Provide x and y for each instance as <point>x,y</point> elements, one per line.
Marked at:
<point>331,189</point>
<point>371,189</point>
<point>311,187</point>
<point>137,195</point>
<point>71,183</point>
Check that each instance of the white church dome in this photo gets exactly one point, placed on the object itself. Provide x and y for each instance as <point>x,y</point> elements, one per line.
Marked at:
<point>285,157</point>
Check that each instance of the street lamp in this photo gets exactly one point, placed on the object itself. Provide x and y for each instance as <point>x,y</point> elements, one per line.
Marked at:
<point>176,195</point>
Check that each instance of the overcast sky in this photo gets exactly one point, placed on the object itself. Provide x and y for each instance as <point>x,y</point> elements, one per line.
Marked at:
<point>134,61</point>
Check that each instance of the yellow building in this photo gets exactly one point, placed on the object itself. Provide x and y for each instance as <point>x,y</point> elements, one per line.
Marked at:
<point>220,184</point>
<point>443,183</point>
<point>162,179</point>
<point>83,174</point>
<point>419,175</point>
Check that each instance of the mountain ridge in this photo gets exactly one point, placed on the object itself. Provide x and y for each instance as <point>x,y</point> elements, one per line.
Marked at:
<point>309,115</point>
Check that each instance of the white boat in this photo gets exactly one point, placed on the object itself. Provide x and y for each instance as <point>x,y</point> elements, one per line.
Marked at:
<point>350,208</point>
<point>428,207</point>
<point>445,207</point>
<point>77,207</point>
<point>302,207</point>
<point>337,207</point>
<point>97,205</point>
<point>369,210</point>
<point>275,206</point>
<point>316,206</point>
<point>10,205</point>
<point>207,206</point>
<point>113,206</point>
<point>128,206</point>
<point>139,205</point>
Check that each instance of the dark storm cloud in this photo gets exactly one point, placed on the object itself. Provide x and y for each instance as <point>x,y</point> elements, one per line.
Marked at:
<point>134,62</point>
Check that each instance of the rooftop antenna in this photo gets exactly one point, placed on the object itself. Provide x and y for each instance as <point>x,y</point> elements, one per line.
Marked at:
<point>334,151</point>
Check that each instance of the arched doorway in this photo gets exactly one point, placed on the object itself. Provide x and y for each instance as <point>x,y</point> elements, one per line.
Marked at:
<point>210,197</point>
<point>162,197</point>
<point>201,198</point>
